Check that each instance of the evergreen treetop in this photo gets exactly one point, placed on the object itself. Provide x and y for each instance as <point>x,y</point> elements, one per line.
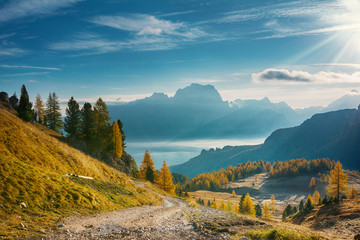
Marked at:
<point>24,109</point>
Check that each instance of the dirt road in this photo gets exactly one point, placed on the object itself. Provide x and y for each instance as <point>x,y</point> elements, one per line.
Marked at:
<point>173,220</point>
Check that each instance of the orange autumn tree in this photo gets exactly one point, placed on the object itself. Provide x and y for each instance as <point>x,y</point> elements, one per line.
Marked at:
<point>117,140</point>
<point>338,182</point>
<point>164,180</point>
<point>312,183</point>
<point>147,168</point>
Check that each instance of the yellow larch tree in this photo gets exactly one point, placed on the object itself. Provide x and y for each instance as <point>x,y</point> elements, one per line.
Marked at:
<point>228,206</point>
<point>248,206</point>
<point>353,193</point>
<point>147,168</point>
<point>215,204</point>
<point>236,209</point>
<point>338,182</point>
<point>117,140</point>
<point>233,193</point>
<point>312,183</point>
<point>39,109</point>
<point>164,180</point>
<point>222,205</point>
<point>272,203</point>
<point>266,211</point>
<point>316,197</point>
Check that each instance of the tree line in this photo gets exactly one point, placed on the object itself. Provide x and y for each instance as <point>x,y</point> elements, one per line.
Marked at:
<point>87,128</point>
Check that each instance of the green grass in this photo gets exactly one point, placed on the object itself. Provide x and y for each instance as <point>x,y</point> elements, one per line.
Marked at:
<point>32,168</point>
<point>278,234</point>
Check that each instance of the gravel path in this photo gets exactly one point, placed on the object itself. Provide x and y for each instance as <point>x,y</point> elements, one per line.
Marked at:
<point>173,220</point>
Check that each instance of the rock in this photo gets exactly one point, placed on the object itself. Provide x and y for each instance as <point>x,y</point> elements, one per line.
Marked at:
<point>60,225</point>
<point>4,97</point>
<point>357,236</point>
<point>23,205</point>
<point>22,225</point>
<point>89,226</point>
<point>243,238</point>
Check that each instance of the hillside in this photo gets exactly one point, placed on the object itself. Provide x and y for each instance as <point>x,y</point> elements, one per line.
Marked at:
<point>34,190</point>
<point>334,135</point>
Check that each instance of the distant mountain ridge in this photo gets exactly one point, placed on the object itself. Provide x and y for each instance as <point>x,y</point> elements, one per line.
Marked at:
<point>334,135</point>
<point>198,111</point>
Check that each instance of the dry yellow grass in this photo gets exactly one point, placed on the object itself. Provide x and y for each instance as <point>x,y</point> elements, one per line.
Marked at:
<point>218,196</point>
<point>32,167</point>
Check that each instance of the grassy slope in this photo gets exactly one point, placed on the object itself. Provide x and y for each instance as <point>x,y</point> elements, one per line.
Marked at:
<point>32,165</point>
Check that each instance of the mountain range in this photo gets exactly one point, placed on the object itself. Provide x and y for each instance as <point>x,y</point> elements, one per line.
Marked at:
<point>198,111</point>
<point>334,135</point>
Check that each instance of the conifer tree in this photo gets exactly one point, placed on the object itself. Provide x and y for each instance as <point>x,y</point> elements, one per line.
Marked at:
<point>272,203</point>
<point>39,109</point>
<point>147,169</point>
<point>266,211</point>
<point>323,178</point>
<point>338,182</point>
<point>72,119</point>
<point>353,193</point>
<point>123,136</point>
<point>316,197</point>
<point>248,206</point>
<point>102,125</point>
<point>228,206</point>
<point>117,140</point>
<point>222,205</point>
<point>52,113</point>
<point>236,209</point>
<point>87,123</point>
<point>24,109</point>
<point>258,211</point>
<point>301,205</point>
<point>241,203</point>
<point>178,190</point>
<point>214,204</point>
<point>164,180</point>
<point>233,193</point>
<point>312,183</point>
<point>308,205</point>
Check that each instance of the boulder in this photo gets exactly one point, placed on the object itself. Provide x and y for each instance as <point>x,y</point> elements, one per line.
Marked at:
<point>4,97</point>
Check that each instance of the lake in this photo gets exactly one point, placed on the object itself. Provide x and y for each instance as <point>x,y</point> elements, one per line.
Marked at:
<point>176,152</point>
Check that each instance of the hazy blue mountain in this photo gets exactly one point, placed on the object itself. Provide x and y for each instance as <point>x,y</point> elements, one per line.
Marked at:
<point>198,111</point>
<point>334,135</point>
<point>350,100</point>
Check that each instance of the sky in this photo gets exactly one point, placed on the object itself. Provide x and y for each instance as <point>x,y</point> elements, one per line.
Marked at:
<point>305,53</point>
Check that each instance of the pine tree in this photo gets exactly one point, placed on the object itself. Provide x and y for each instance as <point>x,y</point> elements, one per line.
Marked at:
<point>24,109</point>
<point>338,182</point>
<point>248,206</point>
<point>272,203</point>
<point>147,169</point>
<point>323,178</point>
<point>72,119</point>
<point>117,140</point>
<point>123,136</point>
<point>102,125</point>
<point>308,205</point>
<point>316,197</point>
<point>87,123</point>
<point>39,109</point>
<point>266,211</point>
<point>164,180</point>
<point>209,203</point>
<point>178,190</point>
<point>233,193</point>
<point>52,113</point>
<point>301,205</point>
<point>258,211</point>
<point>241,203</point>
<point>312,183</point>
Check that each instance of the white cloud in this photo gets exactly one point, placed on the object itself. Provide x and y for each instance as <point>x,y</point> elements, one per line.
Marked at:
<point>18,9</point>
<point>32,81</point>
<point>347,65</point>
<point>32,67</point>
<point>24,74</point>
<point>286,76</point>
<point>12,51</point>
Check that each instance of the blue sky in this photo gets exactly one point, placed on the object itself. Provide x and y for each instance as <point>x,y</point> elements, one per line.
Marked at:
<point>302,52</point>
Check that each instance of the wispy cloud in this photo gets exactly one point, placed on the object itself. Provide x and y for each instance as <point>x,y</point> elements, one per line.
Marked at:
<point>148,33</point>
<point>19,9</point>
<point>286,76</point>
<point>24,74</point>
<point>32,81</point>
<point>12,51</point>
<point>31,67</point>
<point>4,36</point>
<point>346,65</point>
